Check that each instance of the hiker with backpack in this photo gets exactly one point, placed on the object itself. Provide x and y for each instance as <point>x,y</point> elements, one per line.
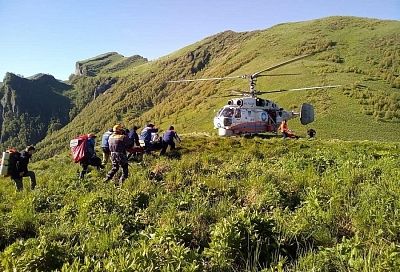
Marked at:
<point>83,151</point>
<point>118,144</point>
<point>18,167</point>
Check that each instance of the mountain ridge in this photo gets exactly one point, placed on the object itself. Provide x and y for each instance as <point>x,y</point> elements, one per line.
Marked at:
<point>26,115</point>
<point>35,106</point>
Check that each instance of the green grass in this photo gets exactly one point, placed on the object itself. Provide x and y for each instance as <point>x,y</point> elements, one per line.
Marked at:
<point>218,204</point>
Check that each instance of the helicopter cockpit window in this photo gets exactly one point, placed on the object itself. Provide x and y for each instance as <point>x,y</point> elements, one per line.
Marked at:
<point>227,112</point>
<point>260,102</point>
<point>238,113</point>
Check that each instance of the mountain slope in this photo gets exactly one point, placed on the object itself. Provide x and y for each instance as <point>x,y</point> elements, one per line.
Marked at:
<point>361,54</point>
<point>36,106</point>
<point>31,108</point>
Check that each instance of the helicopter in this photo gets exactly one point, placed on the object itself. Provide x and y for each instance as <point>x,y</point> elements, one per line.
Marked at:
<point>250,114</point>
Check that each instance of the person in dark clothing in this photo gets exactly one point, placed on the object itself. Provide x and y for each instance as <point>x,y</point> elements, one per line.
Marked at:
<point>134,144</point>
<point>118,143</point>
<point>19,168</point>
<point>133,136</point>
<point>104,146</point>
<point>90,157</point>
<point>145,136</point>
<point>168,140</point>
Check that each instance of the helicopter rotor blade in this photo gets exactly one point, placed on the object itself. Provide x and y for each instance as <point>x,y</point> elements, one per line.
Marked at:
<point>272,75</point>
<point>300,89</point>
<point>281,64</point>
<point>205,79</point>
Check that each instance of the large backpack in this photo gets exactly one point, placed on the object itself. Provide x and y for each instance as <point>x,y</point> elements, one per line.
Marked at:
<point>78,148</point>
<point>9,162</point>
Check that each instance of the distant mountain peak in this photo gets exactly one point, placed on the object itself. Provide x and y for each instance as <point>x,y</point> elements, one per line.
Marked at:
<point>107,62</point>
<point>41,76</point>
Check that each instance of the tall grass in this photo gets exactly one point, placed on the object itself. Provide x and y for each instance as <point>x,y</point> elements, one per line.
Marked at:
<point>216,205</point>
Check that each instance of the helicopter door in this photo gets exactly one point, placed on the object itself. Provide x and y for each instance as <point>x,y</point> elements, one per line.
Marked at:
<point>306,114</point>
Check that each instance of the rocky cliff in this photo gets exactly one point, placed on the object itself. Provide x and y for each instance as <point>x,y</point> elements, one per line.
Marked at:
<point>31,108</point>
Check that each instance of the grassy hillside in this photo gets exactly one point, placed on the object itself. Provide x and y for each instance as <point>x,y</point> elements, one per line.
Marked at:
<point>361,54</point>
<point>216,205</point>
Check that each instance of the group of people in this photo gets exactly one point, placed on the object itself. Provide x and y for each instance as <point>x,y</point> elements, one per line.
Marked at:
<point>118,144</point>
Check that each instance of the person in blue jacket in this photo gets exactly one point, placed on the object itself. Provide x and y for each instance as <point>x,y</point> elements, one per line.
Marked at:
<point>105,146</point>
<point>168,140</point>
<point>145,136</point>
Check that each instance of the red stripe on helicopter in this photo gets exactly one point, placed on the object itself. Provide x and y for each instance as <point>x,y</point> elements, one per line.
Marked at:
<point>252,127</point>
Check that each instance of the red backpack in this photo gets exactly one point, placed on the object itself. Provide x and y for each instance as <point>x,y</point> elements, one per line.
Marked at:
<point>78,147</point>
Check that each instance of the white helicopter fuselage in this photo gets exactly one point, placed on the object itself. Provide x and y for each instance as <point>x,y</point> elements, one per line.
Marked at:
<point>249,115</point>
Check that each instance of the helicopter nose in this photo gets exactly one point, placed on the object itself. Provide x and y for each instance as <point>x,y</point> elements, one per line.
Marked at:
<point>217,123</point>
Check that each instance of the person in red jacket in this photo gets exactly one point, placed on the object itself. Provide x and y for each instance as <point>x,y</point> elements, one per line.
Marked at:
<point>283,128</point>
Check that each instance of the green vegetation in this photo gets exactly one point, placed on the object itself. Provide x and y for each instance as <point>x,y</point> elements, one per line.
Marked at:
<point>39,105</point>
<point>215,205</point>
<point>220,204</point>
<point>31,108</point>
<point>354,50</point>
<point>384,106</point>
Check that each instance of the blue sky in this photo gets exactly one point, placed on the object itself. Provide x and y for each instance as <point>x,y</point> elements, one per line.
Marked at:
<point>49,36</point>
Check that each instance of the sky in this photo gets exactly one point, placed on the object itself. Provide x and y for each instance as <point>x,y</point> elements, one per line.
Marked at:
<point>50,36</point>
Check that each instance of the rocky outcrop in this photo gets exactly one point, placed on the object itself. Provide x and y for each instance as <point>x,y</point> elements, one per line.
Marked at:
<point>108,62</point>
<point>104,87</point>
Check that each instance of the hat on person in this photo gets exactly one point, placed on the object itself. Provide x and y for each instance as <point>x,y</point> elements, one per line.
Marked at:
<point>150,125</point>
<point>117,128</point>
<point>91,135</point>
